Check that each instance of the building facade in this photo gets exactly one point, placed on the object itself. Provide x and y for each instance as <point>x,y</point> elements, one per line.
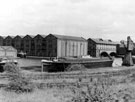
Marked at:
<point>65,46</point>
<point>40,46</point>
<point>8,41</point>
<point>17,43</point>
<point>1,41</point>
<point>100,47</point>
<point>28,45</point>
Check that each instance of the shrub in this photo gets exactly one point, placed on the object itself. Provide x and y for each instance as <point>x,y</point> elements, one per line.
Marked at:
<point>94,92</point>
<point>99,91</point>
<point>75,67</point>
<point>17,82</point>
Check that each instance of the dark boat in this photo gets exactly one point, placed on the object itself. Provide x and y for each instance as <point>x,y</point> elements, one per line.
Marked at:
<point>64,63</point>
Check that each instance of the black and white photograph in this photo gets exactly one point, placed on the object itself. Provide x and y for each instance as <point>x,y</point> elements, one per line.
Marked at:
<point>67,51</point>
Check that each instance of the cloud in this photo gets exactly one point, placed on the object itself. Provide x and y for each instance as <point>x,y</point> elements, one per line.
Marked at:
<point>77,1</point>
<point>87,18</point>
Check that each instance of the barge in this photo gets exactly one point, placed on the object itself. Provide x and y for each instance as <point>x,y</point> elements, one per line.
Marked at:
<point>63,64</point>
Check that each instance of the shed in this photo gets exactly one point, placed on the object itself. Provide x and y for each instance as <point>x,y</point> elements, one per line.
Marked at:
<point>8,51</point>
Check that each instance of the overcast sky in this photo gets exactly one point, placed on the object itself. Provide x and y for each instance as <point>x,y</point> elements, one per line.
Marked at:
<point>109,19</point>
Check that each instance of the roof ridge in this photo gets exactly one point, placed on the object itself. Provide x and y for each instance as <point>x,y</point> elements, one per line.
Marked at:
<point>68,37</point>
<point>103,41</point>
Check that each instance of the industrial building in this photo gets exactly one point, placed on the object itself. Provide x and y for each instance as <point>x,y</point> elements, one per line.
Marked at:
<point>54,45</point>
<point>28,45</point>
<point>40,45</point>
<point>100,47</point>
<point>1,40</point>
<point>65,46</point>
<point>8,41</point>
<point>17,43</point>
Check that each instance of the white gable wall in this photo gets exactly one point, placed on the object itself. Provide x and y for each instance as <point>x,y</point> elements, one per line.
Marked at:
<point>8,51</point>
<point>70,48</point>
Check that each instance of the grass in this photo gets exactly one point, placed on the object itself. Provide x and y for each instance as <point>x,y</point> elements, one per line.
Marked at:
<point>46,95</point>
<point>65,94</point>
<point>58,95</point>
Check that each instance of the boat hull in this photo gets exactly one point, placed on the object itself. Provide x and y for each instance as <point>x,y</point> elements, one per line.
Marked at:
<point>63,65</point>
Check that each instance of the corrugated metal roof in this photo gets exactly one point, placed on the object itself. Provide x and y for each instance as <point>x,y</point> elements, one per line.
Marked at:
<point>104,41</point>
<point>65,37</point>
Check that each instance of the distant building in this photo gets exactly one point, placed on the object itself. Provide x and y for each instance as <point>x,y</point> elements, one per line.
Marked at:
<point>65,46</point>
<point>121,48</point>
<point>17,43</point>
<point>28,45</point>
<point>100,47</point>
<point>8,41</point>
<point>40,46</point>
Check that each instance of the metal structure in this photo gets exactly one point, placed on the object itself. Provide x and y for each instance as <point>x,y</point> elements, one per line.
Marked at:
<point>127,60</point>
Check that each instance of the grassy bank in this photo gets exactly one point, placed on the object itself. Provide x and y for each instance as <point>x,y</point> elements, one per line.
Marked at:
<point>119,82</point>
<point>46,95</point>
<point>63,95</point>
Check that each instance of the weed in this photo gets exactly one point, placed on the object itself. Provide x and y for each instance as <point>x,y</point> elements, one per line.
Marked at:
<point>75,67</point>
<point>100,90</point>
<point>17,82</point>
